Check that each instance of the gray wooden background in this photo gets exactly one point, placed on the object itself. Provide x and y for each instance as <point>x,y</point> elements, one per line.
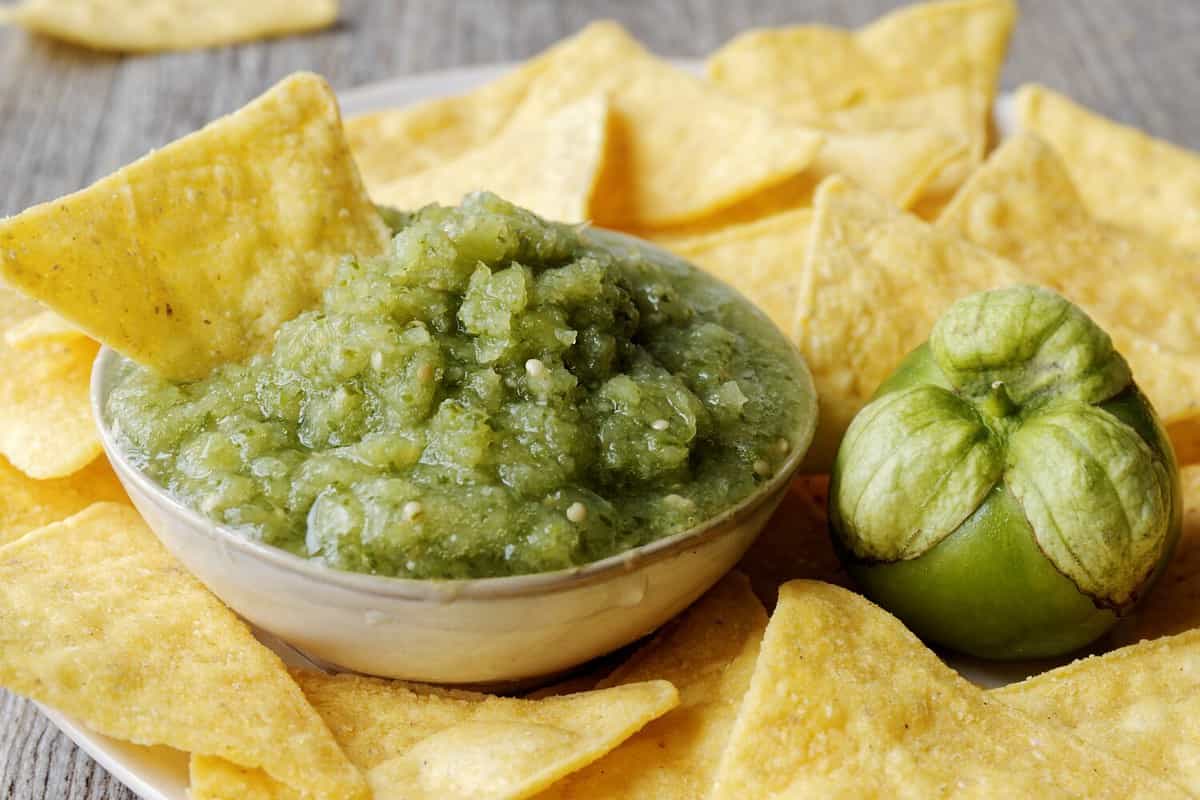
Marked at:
<point>68,116</point>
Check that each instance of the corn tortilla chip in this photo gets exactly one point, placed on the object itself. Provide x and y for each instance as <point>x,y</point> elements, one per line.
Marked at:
<point>27,504</point>
<point>193,255</point>
<point>551,168</point>
<point>1141,702</point>
<point>761,259</point>
<point>665,124</point>
<point>426,744</point>
<point>1173,605</point>
<point>100,622</point>
<point>709,654</point>
<point>133,26</point>
<point>1124,176</point>
<point>41,328</point>
<point>846,702</point>
<point>46,427</point>
<point>1022,205</point>
<point>795,542</point>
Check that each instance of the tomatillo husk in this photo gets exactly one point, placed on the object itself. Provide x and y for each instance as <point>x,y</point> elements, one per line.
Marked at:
<point>1009,492</point>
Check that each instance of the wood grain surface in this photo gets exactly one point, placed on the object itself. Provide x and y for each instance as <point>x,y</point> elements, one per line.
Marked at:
<point>69,116</point>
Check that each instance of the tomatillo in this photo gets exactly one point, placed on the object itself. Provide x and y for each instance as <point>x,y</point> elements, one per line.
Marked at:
<point>1009,492</point>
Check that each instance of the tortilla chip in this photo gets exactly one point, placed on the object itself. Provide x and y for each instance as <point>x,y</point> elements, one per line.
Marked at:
<point>934,65</point>
<point>421,743</point>
<point>1173,605</point>
<point>133,26</point>
<point>98,621</point>
<point>194,255</point>
<point>874,282</point>
<point>41,328</point>
<point>709,654</point>
<point>795,542</point>
<point>1022,205</point>
<point>666,124</point>
<point>760,259</point>
<point>1124,176</point>
<point>1142,702</point>
<point>27,504</point>
<point>1185,439</point>
<point>846,702</point>
<point>46,427</point>
<point>551,168</point>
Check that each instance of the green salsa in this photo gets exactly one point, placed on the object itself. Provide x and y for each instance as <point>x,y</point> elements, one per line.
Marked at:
<point>496,395</point>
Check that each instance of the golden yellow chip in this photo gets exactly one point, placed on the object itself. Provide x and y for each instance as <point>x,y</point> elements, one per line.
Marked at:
<point>666,125</point>
<point>193,255</point>
<point>933,65</point>
<point>709,654</point>
<point>420,743</point>
<point>1022,205</point>
<point>27,504</point>
<point>872,285</point>
<point>101,623</point>
<point>761,259</point>
<point>1124,176</point>
<point>39,329</point>
<point>795,542</point>
<point>846,702</point>
<point>1173,605</point>
<point>46,427</point>
<point>1141,702</point>
<point>134,26</point>
<point>550,167</point>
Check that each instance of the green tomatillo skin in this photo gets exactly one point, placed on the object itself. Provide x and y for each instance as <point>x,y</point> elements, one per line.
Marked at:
<point>1008,493</point>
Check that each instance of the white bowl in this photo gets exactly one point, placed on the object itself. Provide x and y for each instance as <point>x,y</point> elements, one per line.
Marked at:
<point>484,631</point>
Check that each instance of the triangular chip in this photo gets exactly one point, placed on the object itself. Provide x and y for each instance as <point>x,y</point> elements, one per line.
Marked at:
<point>1124,176</point>
<point>46,426</point>
<point>1022,205</point>
<point>761,259</point>
<point>550,167</point>
<point>134,26</point>
<point>1141,702</point>
<point>193,255</point>
<point>709,654</point>
<point>98,621</point>
<point>933,65</point>
<point>421,744</point>
<point>1173,605</point>
<point>27,504</point>
<point>666,123</point>
<point>846,702</point>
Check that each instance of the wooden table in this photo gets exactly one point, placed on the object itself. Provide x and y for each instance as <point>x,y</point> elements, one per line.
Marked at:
<point>68,117</point>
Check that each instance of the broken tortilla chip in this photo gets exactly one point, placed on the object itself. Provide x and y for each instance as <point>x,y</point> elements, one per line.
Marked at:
<point>1141,702</point>
<point>665,123</point>
<point>846,702</point>
<point>101,623</point>
<point>193,256</point>
<point>27,504</point>
<point>550,168</point>
<point>1124,176</point>
<point>709,654</point>
<point>46,427</point>
<point>132,26</point>
<point>1173,605</point>
<point>421,743</point>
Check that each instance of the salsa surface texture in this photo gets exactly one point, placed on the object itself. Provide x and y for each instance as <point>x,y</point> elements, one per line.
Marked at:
<point>497,395</point>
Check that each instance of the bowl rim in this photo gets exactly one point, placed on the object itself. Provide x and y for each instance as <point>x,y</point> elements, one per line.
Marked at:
<point>445,590</point>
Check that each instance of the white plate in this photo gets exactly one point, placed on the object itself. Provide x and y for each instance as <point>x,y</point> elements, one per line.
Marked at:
<point>160,773</point>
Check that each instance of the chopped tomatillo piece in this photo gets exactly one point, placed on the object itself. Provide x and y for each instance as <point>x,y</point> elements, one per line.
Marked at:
<point>1009,492</point>
<point>495,395</point>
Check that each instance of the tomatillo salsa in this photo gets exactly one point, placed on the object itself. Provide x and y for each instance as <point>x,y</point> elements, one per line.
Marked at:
<point>497,395</point>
